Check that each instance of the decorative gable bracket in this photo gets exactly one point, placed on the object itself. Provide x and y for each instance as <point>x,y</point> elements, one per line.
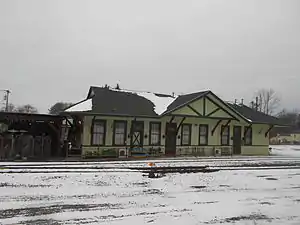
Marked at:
<point>215,127</point>
<point>268,131</point>
<point>228,122</point>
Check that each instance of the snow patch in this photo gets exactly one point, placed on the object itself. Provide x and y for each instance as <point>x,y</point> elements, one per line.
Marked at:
<point>86,105</point>
<point>160,101</point>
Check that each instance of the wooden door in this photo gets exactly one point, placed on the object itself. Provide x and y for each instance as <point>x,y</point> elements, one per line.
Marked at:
<point>2,153</point>
<point>137,134</point>
<point>237,140</point>
<point>170,144</point>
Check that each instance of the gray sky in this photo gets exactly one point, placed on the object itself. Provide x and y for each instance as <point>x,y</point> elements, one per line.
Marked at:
<point>54,50</point>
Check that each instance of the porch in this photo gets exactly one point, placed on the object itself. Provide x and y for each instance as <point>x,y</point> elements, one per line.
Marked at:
<point>29,136</point>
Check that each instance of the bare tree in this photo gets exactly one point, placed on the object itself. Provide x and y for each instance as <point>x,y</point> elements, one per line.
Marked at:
<point>27,109</point>
<point>266,101</point>
<point>11,108</point>
<point>291,118</point>
<point>59,107</point>
<point>21,109</point>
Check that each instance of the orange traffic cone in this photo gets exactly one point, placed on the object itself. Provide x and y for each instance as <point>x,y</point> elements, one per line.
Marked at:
<point>151,164</point>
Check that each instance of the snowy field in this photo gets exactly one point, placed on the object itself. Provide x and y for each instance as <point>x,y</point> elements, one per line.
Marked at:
<point>246,191</point>
<point>286,150</point>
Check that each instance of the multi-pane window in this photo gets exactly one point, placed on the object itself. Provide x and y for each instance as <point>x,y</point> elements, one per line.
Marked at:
<point>203,134</point>
<point>225,135</point>
<point>119,133</point>
<point>98,132</point>
<point>155,133</point>
<point>248,135</point>
<point>186,134</point>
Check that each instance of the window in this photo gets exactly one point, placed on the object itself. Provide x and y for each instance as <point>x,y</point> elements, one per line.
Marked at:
<point>155,129</point>
<point>98,132</point>
<point>203,134</point>
<point>120,132</point>
<point>248,135</point>
<point>186,134</point>
<point>225,135</point>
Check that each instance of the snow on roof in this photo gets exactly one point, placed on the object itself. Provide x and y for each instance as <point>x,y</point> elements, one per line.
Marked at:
<point>160,101</point>
<point>85,105</point>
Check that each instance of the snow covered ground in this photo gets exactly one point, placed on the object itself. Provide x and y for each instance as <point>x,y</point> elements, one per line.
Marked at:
<point>119,196</point>
<point>225,197</point>
<point>286,150</point>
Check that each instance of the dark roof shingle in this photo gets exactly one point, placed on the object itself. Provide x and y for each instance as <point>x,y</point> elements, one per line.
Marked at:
<point>184,99</point>
<point>115,102</point>
<point>106,101</point>
<point>255,116</point>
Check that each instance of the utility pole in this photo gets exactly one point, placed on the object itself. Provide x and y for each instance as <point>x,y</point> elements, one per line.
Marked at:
<point>6,97</point>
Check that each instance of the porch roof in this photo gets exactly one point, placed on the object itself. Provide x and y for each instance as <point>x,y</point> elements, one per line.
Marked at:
<point>17,117</point>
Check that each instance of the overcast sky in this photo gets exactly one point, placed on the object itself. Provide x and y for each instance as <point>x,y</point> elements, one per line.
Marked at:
<point>54,50</point>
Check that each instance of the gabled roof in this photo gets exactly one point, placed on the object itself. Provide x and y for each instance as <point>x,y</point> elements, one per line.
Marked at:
<point>182,100</point>
<point>107,101</point>
<point>103,100</point>
<point>256,116</point>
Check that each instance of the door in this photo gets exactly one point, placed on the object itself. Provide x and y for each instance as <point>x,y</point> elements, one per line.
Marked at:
<point>171,133</point>
<point>137,134</point>
<point>237,140</point>
<point>2,153</point>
